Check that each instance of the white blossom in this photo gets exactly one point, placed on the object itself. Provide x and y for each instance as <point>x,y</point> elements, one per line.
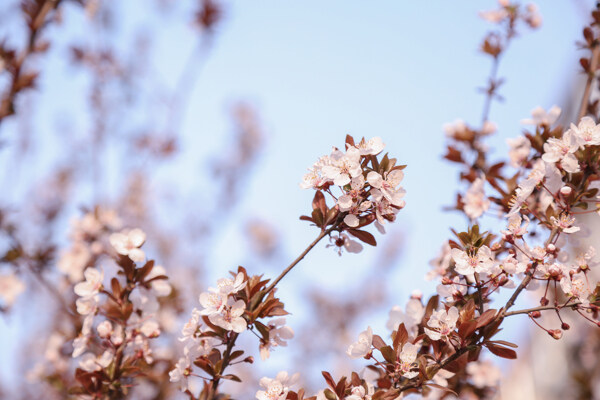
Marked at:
<point>127,243</point>
<point>363,346</point>
<point>541,117</point>
<point>442,323</point>
<point>475,200</point>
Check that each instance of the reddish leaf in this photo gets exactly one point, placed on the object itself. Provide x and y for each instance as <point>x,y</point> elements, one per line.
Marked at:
<point>500,351</point>
<point>363,236</point>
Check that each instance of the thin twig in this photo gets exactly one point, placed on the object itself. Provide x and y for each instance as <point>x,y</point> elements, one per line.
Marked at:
<point>300,257</point>
<point>583,108</point>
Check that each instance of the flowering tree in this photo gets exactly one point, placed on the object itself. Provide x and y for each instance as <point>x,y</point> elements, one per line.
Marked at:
<point>106,344</point>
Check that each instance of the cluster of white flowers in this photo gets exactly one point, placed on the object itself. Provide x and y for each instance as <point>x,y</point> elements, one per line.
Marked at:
<point>344,169</point>
<point>88,241</point>
<point>223,310</point>
<point>278,334</point>
<point>531,16</point>
<point>137,330</point>
<point>475,200</point>
<point>442,323</point>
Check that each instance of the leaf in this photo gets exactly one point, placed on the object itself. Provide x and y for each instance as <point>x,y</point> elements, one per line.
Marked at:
<point>319,203</point>
<point>363,236</point>
<point>328,379</point>
<point>500,351</point>
<point>485,318</point>
<point>400,338</point>
<point>378,342</point>
<point>445,389</point>
<point>231,377</point>
<point>459,364</point>
<point>388,353</point>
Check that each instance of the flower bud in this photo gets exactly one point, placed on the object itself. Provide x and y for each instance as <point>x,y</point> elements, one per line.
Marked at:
<point>544,301</point>
<point>555,333</point>
<point>551,248</point>
<point>535,314</point>
<point>249,359</point>
<point>496,246</point>
<point>565,326</point>
<point>104,329</point>
<point>566,190</point>
<point>446,281</point>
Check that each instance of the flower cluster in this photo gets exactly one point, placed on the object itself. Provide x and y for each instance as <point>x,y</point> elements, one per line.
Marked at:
<point>368,191</point>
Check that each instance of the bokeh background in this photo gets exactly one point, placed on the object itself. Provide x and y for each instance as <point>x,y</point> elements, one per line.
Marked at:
<point>200,133</point>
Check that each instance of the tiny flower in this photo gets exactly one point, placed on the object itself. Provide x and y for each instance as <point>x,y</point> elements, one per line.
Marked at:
<point>467,264</point>
<point>561,150</point>
<point>407,360</point>
<point>520,148</point>
<point>229,286</point>
<point>92,284</point>
<point>230,316</point>
<point>213,302</point>
<point>456,129</point>
<point>343,241</point>
<point>484,374</point>
<point>362,347</point>
<point>586,133</point>
<point>576,286</point>
<point>150,328</point>
<point>104,329</point>
<point>475,200</point>
<point>349,199</point>
<point>454,290</point>
<point>542,118</point>
<point>565,223</point>
<point>410,317</point>
<point>180,373</point>
<point>127,243</point>
<point>344,166</point>
<point>387,186</point>
<point>514,226</point>
<point>278,388</point>
<point>370,147</point>
<point>278,334</point>
<point>442,323</point>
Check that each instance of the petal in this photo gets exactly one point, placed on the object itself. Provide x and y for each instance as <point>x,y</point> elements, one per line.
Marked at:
<point>374,179</point>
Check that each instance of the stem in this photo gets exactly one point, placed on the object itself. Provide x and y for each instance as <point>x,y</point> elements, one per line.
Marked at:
<point>541,308</point>
<point>300,257</point>
<point>528,278</point>
<point>226,355</point>
<point>583,108</point>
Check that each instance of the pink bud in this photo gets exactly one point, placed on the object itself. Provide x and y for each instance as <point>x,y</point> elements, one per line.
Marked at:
<point>544,301</point>
<point>565,326</point>
<point>535,314</point>
<point>555,333</point>
<point>551,247</point>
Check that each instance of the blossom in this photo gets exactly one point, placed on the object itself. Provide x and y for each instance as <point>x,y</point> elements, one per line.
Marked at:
<point>383,207</point>
<point>542,118</point>
<point>10,288</point>
<point>278,334</point>
<point>229,286</point>
<point>484,374</point>
<point>372,146</point>
<point>407,360</point>
<point>278,388</point>
<point>315,177</point>
<point>475,200</point>
<point>456,129</point>
<point>453,291</point>
<point>212,301</point>
<point>586,133</point>
<point>92,284</point>
<point>343,241</point>
<point>469,263</point>
<point>514,226</point>
<point>180,373</point>
<point>410,317</point>
<point>363,346</point>
<point>576,286</point>
<point>127,243</point>
<point>561,150</point>
<point>230,316</point>
<point>520,148</point>
<point>441,263</point>
<point>160,287</point>
<point>387,185</point>
<point>104,329</point>
<point>442,323</point>
<point>348,199</point>
<point>565,223</point>
<point>360,393</point>
<point>512,266</point>
<point>344,166</point>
